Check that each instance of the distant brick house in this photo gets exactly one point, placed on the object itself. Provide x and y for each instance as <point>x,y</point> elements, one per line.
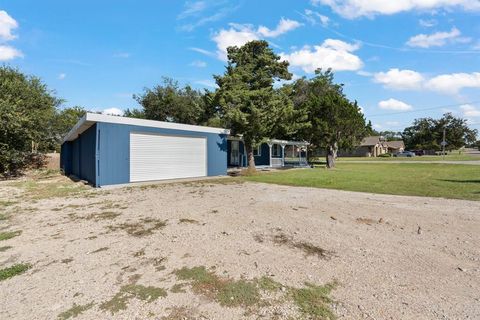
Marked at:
<point>374,146</point>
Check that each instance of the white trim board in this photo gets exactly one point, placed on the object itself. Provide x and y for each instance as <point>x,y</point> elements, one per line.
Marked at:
<point>90,118</point>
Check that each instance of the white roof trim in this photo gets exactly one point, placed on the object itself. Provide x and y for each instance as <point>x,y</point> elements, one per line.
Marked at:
<point>90,118</point>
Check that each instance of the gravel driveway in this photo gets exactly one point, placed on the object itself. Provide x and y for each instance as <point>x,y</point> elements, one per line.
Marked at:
<point>115,254</point>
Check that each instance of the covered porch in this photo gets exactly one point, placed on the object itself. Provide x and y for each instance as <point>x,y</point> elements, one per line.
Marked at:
<point>271,153</point>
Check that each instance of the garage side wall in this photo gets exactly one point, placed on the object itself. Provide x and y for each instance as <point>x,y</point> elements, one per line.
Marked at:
<point>113,151</point>
<point>78,156</point>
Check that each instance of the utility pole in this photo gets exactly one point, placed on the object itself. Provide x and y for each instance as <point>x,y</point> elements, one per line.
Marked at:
<point>443,144</point>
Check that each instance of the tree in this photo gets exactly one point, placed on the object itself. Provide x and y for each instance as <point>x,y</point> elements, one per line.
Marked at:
<point>247,101</point>
<point>27,110</point>
<point>427,133</point>
<point>170,102</point>
<point>334,121</point>
<point>63,121</point>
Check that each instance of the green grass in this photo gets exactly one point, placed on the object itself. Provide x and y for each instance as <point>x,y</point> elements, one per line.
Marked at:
<point>9,234</point>
<point>449,157</point>
<point>75,311</point>
<point>313,301</point>
<point>13,271</point>
<point>49,188</point>
<point>127,292</point>
<point>434,180</point>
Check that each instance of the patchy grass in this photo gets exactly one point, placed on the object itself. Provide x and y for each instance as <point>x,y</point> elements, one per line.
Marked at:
<point>5,248</point>
<point>369,221</point>
<point>226,291</point>
<point>49,187</point>
<point>178,288</point>
<point>186,220</point>
<point>144,227</point>
<point>120,300</point>
<point>3,216</point>
<point>14,270</point>
<point>452,181</point>
<point>313,301</point>
<point>67,261</point>
<point>6,203</point>
<point>308,248</point>
<point>452,156</point>
<point>75,311</point>
<point>268,284</point>
<point>9,234</point>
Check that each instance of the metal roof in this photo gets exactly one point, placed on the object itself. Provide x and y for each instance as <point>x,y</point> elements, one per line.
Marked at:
<point>91,118</point>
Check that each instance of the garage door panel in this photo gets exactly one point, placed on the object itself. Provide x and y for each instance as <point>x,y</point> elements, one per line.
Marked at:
<point>159,157</point>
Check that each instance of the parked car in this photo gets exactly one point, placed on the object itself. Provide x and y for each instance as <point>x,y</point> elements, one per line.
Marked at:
<point>419,152</point>
<point>408,154</point>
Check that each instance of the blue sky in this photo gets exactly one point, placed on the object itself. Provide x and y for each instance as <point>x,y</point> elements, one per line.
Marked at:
<point>397,58</point>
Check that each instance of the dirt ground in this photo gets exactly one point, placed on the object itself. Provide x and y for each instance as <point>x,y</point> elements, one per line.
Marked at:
<point>115,253</point>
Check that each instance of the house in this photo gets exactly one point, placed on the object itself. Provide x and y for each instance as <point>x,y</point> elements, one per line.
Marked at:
<point>395,146</point>
<point>371,146</point>
<point>271,153</point>
<point>107,150</point>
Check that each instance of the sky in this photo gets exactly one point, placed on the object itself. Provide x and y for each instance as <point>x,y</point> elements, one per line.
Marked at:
<point>400,60</point>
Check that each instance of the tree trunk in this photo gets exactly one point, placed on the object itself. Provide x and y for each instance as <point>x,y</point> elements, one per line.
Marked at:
<point>251,159</point>
<point>330,157</point>
<point>335,151</point>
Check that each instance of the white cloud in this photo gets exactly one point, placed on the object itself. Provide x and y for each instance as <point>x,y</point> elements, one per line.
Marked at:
<point>239,34</point>
<point>453,83</point>
<point>357,8</point>
<point>7,25</point>
<point>192,8</point>
<point>9,53</point>
<point>284,25</point>
<point>207,83</point>
<point>427,23</point>
<point>334,54</point>
<point>113,112</point>
<point>121,55</point>
<point>314,17</point>
<point>203,51</point>
<point>400,79</point>
<point>393,104</point>
<point>62,76</point>
<point>437,39</point>
<point>198,64</point>
<point>470,111</point>
<point>392,123</point>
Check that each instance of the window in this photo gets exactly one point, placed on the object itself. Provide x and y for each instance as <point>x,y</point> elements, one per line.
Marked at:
<point>276,150</point>
<point>257,151</point>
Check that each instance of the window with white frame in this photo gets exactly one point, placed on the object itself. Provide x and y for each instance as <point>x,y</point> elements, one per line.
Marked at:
<point>257,151</point>
<point>277,151</point>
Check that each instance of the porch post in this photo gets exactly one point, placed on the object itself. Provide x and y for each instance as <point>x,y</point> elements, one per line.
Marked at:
<point>270,152</point>
<point>283,154</point>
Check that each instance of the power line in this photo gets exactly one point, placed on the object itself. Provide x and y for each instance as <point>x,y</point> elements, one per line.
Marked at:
<point>423,109</point>
<point>401,49</point>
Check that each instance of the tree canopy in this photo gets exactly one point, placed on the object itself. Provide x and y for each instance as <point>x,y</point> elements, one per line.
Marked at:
<point>27,113</point>
<point>247,100</point>
<point>333,121</point>
<point>427,133</point>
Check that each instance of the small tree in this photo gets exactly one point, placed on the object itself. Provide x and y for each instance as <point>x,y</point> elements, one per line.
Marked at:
<point>170,102</point>
<point>334,121</point>
<point>27,110</point>
<point>248,103</point>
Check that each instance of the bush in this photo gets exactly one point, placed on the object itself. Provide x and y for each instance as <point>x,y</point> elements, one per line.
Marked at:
<point>385,155</point>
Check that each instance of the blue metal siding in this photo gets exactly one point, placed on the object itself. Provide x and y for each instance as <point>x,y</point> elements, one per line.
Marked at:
<point>113,152</point>
<point>66,158</point>
<point>78,156</point>
<point>264,158</point>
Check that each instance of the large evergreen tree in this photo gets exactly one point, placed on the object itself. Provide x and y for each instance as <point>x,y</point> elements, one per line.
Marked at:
<point>333,121</point>
<point>248,102</point>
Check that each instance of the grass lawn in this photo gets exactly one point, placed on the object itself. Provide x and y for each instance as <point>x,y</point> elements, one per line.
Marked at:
<point>449,157</point>
<point>428,179</point>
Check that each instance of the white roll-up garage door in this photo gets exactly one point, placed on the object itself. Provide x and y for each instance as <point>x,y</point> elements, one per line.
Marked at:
<point>159,157</point>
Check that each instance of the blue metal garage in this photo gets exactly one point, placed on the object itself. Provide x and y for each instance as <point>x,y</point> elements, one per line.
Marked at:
<point>106,150</point>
